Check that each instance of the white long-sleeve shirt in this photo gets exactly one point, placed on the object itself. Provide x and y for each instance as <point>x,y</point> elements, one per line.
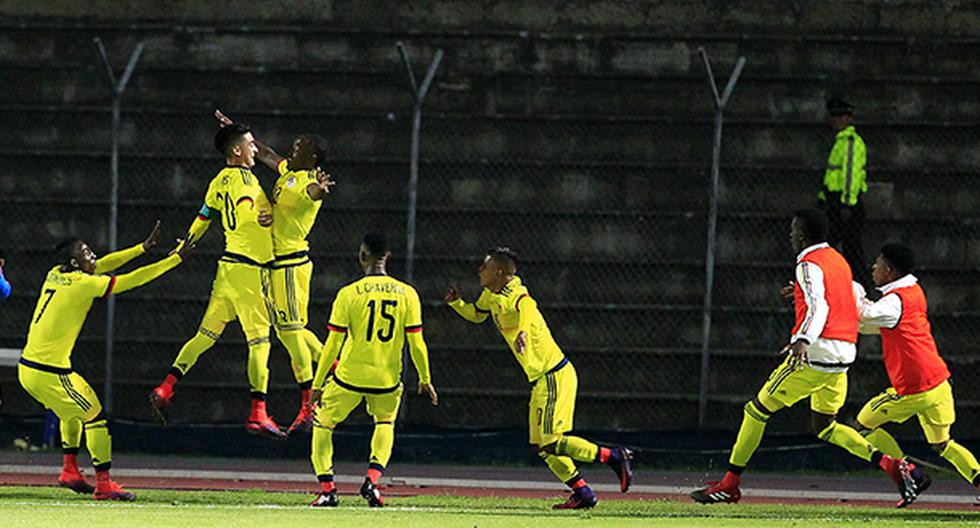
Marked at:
<point>826,355</point>
<point>885,312</point>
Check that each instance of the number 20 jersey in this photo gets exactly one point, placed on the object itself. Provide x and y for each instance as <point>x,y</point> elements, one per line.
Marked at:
<point>235,193</point>
<point>375,312</point>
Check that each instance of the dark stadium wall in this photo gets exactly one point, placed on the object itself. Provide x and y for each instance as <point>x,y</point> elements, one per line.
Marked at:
<point>853,16</point>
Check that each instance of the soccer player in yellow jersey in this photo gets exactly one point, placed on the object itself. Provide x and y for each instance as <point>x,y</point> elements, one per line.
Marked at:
<point>241,285</point>
<point>45,369</point>
<point>370,322</point>
<point>554,382</point>
<point>299,191</point>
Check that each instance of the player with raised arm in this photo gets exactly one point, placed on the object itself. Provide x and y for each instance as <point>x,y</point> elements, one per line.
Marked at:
<point>241,284</point>
<point>554,382</point>
<point>298,193</point>
<point>45,369</point>
<point>919,377</point>
<point>820,350</point>
<point>370,322</point>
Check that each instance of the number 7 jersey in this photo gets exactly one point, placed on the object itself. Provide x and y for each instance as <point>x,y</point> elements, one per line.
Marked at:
<point>375,312</point>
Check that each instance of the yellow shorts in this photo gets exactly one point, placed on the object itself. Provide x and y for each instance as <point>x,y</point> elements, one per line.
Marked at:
<point>934,408</point>
<point>240,291</point>
<point>552,406</point>
<point>337,403</point>
<point>291,295</point>
<point>789,384</point>
<point>68,395</point>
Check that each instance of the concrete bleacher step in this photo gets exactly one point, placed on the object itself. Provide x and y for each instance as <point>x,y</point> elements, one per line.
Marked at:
<point>480,52</point>
<point>463,137</point>
<point>777,97</point>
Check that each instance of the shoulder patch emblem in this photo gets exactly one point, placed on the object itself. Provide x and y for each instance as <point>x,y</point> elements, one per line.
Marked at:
<point>291,182</point>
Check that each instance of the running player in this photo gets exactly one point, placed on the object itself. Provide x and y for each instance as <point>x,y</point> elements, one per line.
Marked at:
<point>919,376</point>
<point>296,199</point>
<point>821,349</point>
<point>45,369</point>
<point>370,322</point>
<point>554,382</point>
<point>241,285</point>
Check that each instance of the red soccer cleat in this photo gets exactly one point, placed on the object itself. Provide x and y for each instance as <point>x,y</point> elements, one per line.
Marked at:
<point>901,474</point>
<point>160,403</point>
<point>326,499</point>
<point>622,463</point>
<point>112,491</point>
<point>75,481</point>
<point>582,499</point>
<point>370,491</point>
<point>265,427</point>
<point>715,492</point>
<point>303,421</point>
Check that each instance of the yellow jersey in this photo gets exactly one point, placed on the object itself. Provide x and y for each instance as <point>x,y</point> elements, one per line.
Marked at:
<point>542,352</point>
<point>235,194</point>
<point>375,312</point>
<point>66,298</point>
<point>294,212</point>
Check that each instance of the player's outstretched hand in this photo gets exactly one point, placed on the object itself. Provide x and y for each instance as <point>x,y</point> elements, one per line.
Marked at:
<point>265,218</point>
<point>520,343</point>
<point>153,238</point>
<point>786,292</point>
<point>429,389</point>
<point>223,120</point>
<point>451,294</point>
<point>184,249</point>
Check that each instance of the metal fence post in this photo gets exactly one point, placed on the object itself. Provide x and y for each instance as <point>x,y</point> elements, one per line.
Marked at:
<point>419,93</point>
<point>117,88</point>
<point>709,260</point>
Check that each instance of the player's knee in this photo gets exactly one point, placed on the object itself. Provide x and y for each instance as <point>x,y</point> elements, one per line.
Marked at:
<point>820,422</point>
<point>939,447</point>
<point>547,449</point>
<point>758,405</point>
<point>97,418</point>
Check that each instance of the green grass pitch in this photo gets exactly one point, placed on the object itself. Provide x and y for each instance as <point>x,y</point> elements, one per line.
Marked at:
<point>53,507</point>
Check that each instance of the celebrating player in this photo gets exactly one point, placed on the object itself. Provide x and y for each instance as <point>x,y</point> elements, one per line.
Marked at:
<point>821,349</point>
<point>370,322</point>
<point>45,369</point>
<point>241,285</point>
<point>298,194</point>
<point>919,377</point>
<point>554,382</point>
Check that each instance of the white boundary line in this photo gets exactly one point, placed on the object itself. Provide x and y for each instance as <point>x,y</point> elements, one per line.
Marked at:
<point>254,476</point>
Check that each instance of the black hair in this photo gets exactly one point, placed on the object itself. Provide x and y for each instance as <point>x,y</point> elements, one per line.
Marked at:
<point>814,224</point>
<point>320,148</point>
<point>3,254</point>
<point>899,256</point>
<point>838,106</point>
<point>228,135</point>
<point>65,250</point>
<point>505,257</point>
<point>376,244</point>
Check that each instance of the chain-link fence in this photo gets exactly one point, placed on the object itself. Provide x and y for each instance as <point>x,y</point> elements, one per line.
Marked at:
<point>609,217</point>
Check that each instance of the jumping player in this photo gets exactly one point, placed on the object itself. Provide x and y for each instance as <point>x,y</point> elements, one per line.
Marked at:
<point>919,377</point>
<point>299,191</point>
<point>370,322</point>
<point>45,369</point>
<point>241,285</point>
<point>821,349</point>
<point>554,382</point>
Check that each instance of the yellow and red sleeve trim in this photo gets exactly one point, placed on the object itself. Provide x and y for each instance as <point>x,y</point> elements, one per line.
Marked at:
<point>412,329</point>
<point>517,304</point>
<point>108,290</point>
<point>338,329</point>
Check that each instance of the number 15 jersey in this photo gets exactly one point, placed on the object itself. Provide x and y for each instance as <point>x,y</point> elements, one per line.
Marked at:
<point>375,312</point>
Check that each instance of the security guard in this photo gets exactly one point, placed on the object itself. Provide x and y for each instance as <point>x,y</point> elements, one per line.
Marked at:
<point>844,181</point>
